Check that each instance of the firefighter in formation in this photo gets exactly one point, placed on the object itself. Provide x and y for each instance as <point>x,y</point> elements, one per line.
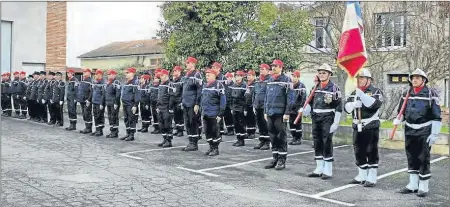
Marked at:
<point>227,104</point>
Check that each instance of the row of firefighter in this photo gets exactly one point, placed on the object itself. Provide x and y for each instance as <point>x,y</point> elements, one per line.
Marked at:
<point>226,104</point>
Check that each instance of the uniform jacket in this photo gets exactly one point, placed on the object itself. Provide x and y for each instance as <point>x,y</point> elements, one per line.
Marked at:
<point>177,86</point>
<point>369,115</point>
<point>238,96</point>
<point>299,96</point>
<point>72,89</point>
<point>29,89</point>
<point>144,89</point>
<point>421,109</point>
<point>58,91</point>
<point>35,90</point>
<point>259,92</point>
<point>130,93</point>
<point>228,92</point>
<point>279,96</point>
<point>154,88</point>
<point>41,89</point>
<point>5,87</point>
<point>192,89</point>
<point>18,87</point>
<point>165,99</point>
<point>84,90</point>
<point>213,99</point>
<point>112,92</point>
<point>48,92</point>
<point>249,94</point>
<point>326,102</point>
<point>98,92</point>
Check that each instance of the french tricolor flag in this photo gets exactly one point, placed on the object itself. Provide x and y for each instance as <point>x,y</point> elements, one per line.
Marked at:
<point>352,54</point>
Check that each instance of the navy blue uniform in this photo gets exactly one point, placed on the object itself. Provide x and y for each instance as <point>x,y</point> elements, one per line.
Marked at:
<point>153,100</point>
<point>228,116</point>
<point>48,92</point>
<point>31,102</point>
<point>238,106</point>
<point>6,98</point>
<point>43,115</point>
<point>213,104</point>
<point>165,106</point>
<point>222,80</point>
<point>279,101</point>
<point>177,85</point>
<point>18,88</point>
<point>250,119</point>
<point>85,99</point>
<point>72,90</point>
<point>192,88</point>
<point>98,106</point>
<point>130,98</point>
<point>299,98</point>
<point>422,109</point>
<point>57,100</point>
<point>145,107</point>
<point>112,101</point>
<point>259,96</point>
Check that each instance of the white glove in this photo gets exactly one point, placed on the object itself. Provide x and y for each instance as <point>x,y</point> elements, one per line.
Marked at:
<point>24,98</point>
<point>133,109</point>
<point>397,121</point>
<point>181,106</point>
<point>61,102</point>
<point>435,129</point>
<point>265,117</point>
<point>43,101</point>
<point>196,109</point>
<point>18,96</point>
<point>157,110</point>
<point>357,104</point>
<point>171,111</point>
<point>88,103</point>
<point>218,118</point>
<point>359,92</point>
<point>337,119</point>
<point>245,113</point>
<point>101,107</point>
<point>146,107</point>
<point>51,101</point>
<point>115,106</point>
<point>286,118</point>
<point>307,110</point>
<point>78,103</point>
<point>254,110</point>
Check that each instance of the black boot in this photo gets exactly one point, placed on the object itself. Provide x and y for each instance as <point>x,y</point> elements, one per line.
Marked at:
<point>72,126</point>
<point>237,140</point>
<point>144,128</point>
<point>211,148</point>
<point>114,133</point>
<point>194,145</point>
<point>87,130</point>
<point>155,130</point>
<point>274,161</point>
<point>295,141</point>
<point>230,132</point>
<point>163,142</point>
<point>241,142</point>
<point>22,116</point>
<point>179,132</point>
<point>130,137</point>
<point>260,144</point>
<point>215,150</point>
<point>126,136</point>
<point>189,145</point>
<point>266,145</point>
<point>99,132</point>
<point>250,136</point>
<point>168,142</point>
<point>281,162</point>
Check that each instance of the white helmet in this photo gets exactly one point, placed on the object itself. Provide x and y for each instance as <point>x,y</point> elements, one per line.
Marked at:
<point>364,72</point>
<point>418,72</point>
<point>326,67</point>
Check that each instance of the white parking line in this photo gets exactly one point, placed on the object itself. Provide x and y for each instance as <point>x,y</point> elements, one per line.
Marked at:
<point>129,156</point>
<point>259,160</point>
<point>378,178</point>
<point>316,197</point>
<point>196,171</point>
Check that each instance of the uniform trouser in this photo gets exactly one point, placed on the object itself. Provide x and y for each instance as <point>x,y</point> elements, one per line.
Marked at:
<point>178,118</point>
<point>250,121</point>
<point>23,106</point>
<point>31,108</point>
<point>228,118</point>
<point>296,129</point>
<point>262,126</point>
<point>365,145</point>
<point>146,114</point>
<point>58,113</point>
<point>239,124</point>
<point>154,115</point>
<point>191,122</point>
<point>277,133</point>
<point>86,111</point>
<point>72,111</point>
<point>113,118</point>
<point>6,104</point>
<point>99,117</point>
<point>43,111</point>
<point>418,155</point>
<point>323,139</point>
<point>51,111</point>
<point>212,132</point>
<point>130,119</point>
<point>165,122</point>
<point>16,104</point>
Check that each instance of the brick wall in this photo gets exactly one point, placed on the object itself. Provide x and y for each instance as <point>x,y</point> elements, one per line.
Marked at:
<point>56,36</point>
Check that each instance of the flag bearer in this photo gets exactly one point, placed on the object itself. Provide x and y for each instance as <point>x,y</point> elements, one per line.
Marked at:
<point>368,99</point>
<point>238,106</point>
<point>325,109</point>
<point>423,125</point>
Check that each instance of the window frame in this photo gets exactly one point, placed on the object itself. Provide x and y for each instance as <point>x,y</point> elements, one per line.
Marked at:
<point>391,25</point>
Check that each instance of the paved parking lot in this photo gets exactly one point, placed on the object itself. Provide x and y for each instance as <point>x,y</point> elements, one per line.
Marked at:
<point>48,166</point>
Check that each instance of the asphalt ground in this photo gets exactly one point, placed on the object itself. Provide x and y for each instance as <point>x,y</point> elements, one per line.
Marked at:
<point>48,166</point>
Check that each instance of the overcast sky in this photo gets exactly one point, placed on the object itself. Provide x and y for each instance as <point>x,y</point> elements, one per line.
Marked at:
<point>93,24</point>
